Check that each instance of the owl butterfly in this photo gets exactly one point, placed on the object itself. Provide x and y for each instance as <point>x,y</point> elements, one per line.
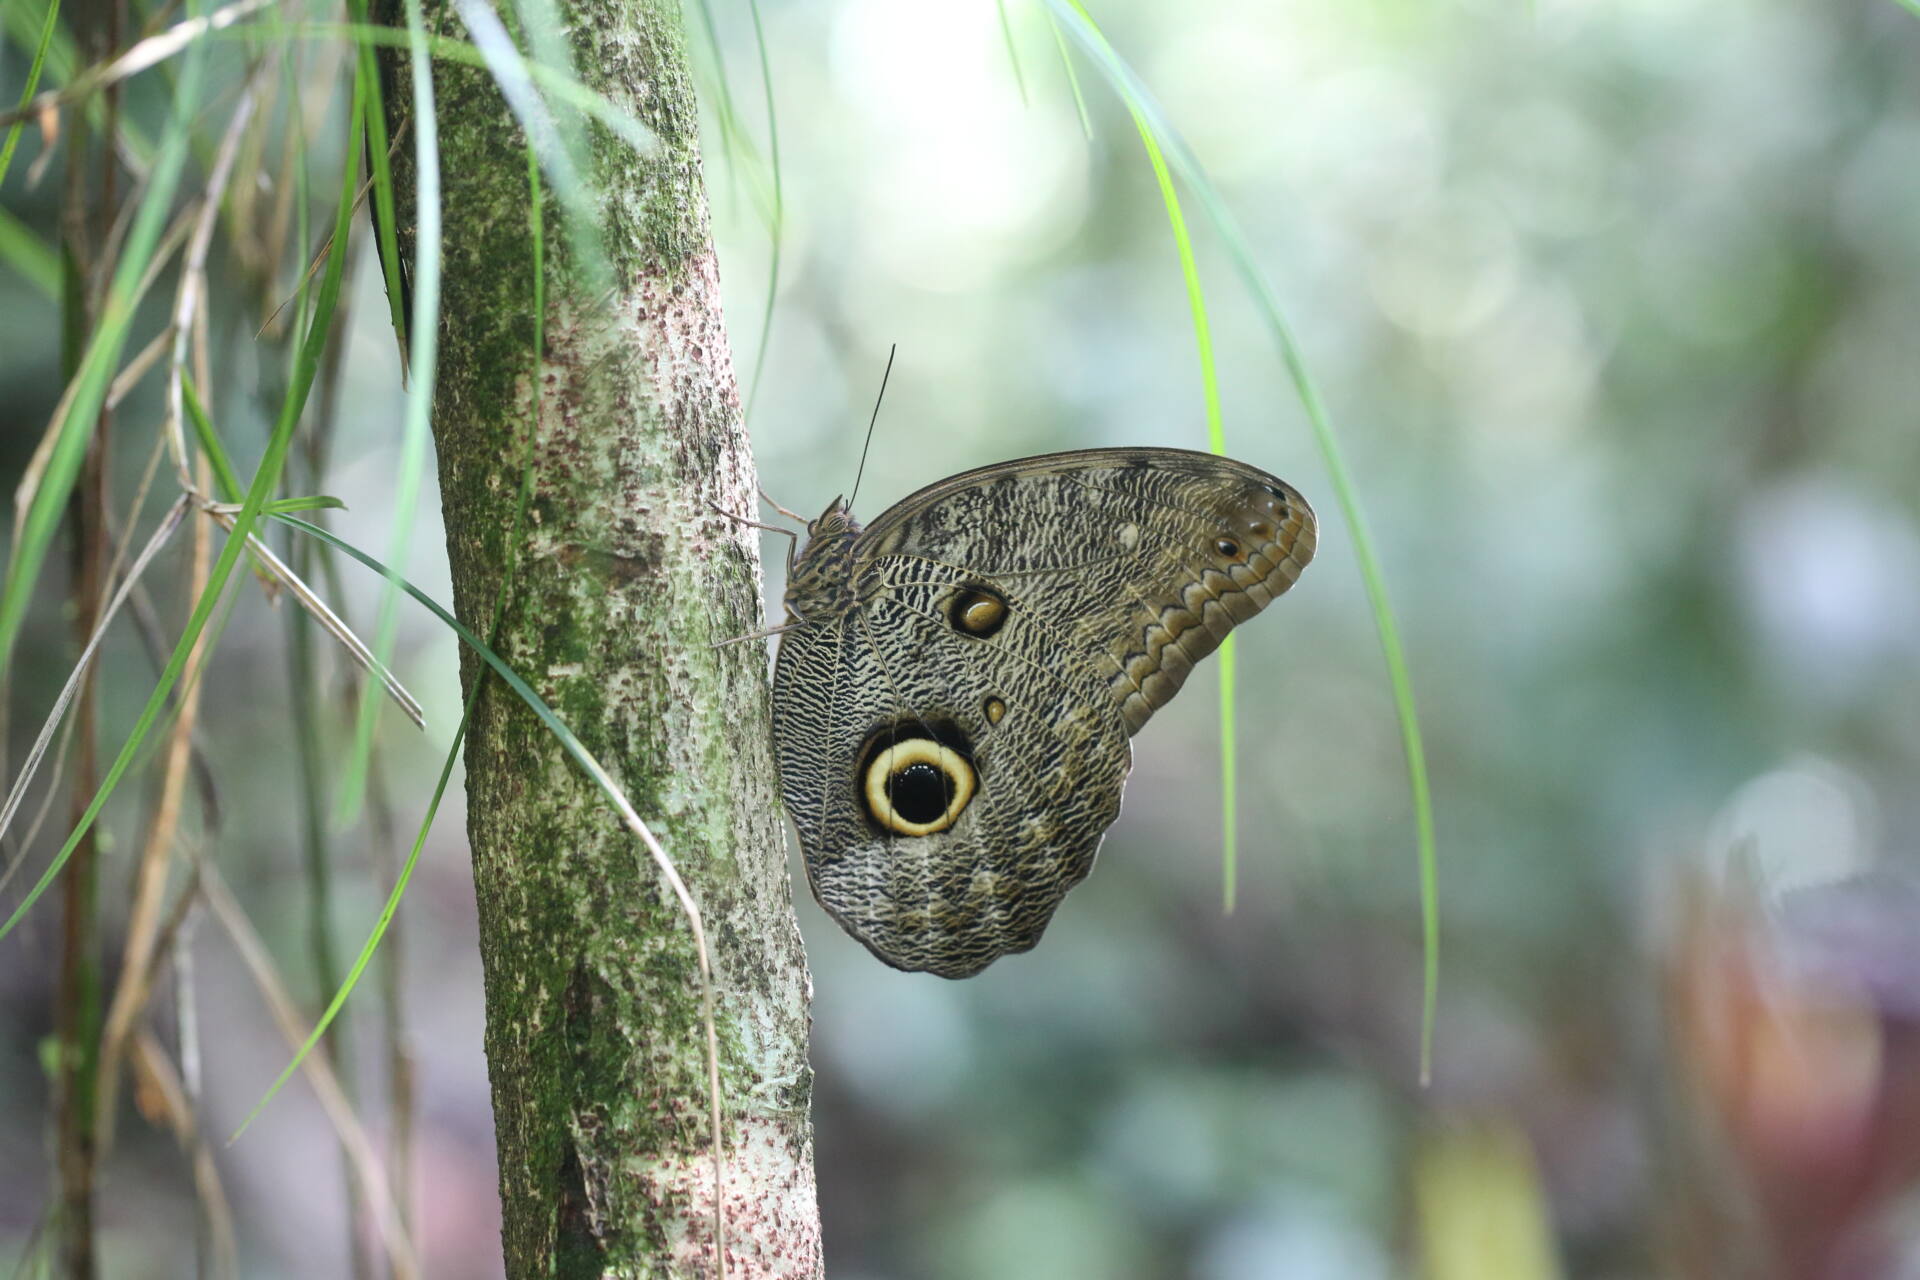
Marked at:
<point>958,681</point>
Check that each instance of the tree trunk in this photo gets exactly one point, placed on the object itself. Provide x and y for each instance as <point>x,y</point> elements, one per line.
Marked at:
<point>624,579</point>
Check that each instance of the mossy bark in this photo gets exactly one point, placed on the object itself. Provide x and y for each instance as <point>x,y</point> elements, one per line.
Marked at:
<point>623,580</point>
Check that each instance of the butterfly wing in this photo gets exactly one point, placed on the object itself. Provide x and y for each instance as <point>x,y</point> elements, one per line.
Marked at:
<point>953,738</point>
<point>1143,558</point>
<point>1029,735</point>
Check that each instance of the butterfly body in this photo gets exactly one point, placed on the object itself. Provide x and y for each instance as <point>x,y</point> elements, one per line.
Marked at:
<point>954,699</point>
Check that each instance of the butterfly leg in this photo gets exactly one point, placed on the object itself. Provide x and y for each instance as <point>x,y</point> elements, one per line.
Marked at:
<point>789,534</point>
<point>791,515</point>
<point>761,635</point>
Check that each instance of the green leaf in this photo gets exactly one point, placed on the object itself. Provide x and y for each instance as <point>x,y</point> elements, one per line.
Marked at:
<point>287,506</point>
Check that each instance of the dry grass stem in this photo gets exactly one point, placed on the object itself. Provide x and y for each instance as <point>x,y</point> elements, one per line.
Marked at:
<point>326,617</point>
<point>354,1142</point>
<point>137,368</point>
<point>150,875</point>
<point>32,762</point>
<point>36,467</point>
<point>193,278</point>
<point>162,1097</point>
<point>147,53</point>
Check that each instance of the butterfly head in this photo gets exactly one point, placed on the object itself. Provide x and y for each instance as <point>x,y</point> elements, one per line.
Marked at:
<point>820,582</point>
<point>835,522</point>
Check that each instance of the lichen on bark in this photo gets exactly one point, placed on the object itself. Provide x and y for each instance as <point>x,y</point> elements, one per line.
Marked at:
<point>623,579</point>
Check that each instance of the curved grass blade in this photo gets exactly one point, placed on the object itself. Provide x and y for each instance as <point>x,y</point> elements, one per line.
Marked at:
<point>565,737</point>
<point>28,767</point>
<point>1217,442</point>
<point>33,82</point>
<point>62,59</point>
<point>587,763</point>
<point>264,480</point>
<point>29,255</point>
<point>47,503</point>
<point>723,88</point>
<point>624,124</point>
<point>380,172</point>
<point>425,355</point>
<point>1127,83</point>
<point>550,143</point>
<point>777,222</point>
<point>1013,52</point>
<point>1073,77</point>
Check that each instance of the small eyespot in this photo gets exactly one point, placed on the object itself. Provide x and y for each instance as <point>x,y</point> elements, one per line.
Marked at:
<point>977,611</point>
<point>1227,547</point>
<point>917,787</point>
<point>996,710</point>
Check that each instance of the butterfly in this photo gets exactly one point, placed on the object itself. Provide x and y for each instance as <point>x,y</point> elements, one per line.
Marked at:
<point>957,683</point>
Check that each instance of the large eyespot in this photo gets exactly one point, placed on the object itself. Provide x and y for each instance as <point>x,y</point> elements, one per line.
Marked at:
<point>977,612</point>
<point>917,786</point>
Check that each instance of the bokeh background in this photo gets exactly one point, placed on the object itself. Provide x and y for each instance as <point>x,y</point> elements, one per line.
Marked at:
<point>1616,310</point>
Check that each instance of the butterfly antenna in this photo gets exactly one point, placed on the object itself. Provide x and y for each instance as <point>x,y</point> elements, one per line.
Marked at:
<point>876,417</point>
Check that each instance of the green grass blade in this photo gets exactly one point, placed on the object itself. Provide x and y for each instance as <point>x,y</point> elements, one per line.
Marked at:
<point>405,875</point>
<point>552,140</point>
<point>424,358</point>
<point>319,502</point>
<point>776,228</point>
<point>29,255</point>
<point>62,65</point>
<point>386,237</point>
<point>225,479</point>
<point>95,373</point>
<point>264,480</point>
<point>1013,52</point>
<point>722,95</point>
<point>1073,77</point>
<point>567,89</point>
<point>33,83</point>
<point>1123,79</point>
<point>1217,442</point>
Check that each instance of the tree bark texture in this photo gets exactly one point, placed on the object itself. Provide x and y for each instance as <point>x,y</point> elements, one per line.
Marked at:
<point>624,579</point>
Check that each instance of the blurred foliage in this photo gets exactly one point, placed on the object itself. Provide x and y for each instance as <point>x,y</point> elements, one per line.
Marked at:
<point>1619,306</point>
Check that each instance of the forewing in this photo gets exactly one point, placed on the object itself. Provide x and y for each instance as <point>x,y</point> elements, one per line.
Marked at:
<point>1142,560</point>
